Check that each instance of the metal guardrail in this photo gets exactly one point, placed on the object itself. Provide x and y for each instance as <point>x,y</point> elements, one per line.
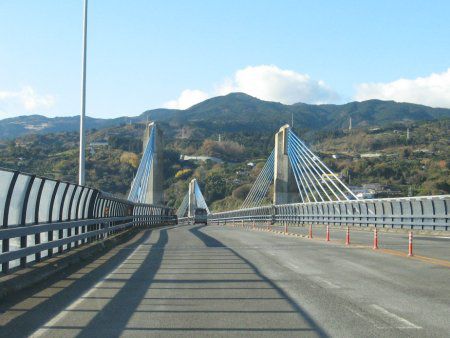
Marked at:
<point>427,213</point>
<point>40,217</point>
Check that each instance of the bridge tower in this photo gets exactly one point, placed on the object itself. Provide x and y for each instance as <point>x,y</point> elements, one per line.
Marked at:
<point>155,192</point>
<point>192,202</point>
<point>284,181</point>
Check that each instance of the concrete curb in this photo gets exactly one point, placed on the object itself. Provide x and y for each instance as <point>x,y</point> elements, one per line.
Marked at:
<point>20,279</point>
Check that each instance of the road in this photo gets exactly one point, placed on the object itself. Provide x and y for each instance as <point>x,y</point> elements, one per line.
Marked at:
<point>229,281</point>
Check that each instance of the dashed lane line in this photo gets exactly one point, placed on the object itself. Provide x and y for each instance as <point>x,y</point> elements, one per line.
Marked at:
<point>404,323</point>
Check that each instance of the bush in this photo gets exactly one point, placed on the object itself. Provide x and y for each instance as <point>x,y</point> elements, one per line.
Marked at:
<point>183,173</point>
<point>130,158</point>
<point>228,150</point>
<point>242,191</point>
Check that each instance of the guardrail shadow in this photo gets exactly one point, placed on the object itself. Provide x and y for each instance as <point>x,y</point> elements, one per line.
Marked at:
<point>21,314</point>
<point>192,284</point>
<point>303,315</point>
<point>114,316</point>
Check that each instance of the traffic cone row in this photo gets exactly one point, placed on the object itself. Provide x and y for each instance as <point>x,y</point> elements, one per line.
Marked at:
<point>327,238</point>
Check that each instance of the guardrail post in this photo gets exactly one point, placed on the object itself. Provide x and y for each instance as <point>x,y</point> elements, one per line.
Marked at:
<point>37,237</point>
<point>5,242</point>
<point>347,237</point>
<point>23,239</point>
<point>50,217</point>
<point>310,231</point>
<point>328,233</point>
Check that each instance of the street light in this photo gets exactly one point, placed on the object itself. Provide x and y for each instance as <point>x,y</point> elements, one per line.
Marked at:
<point>81,170</point>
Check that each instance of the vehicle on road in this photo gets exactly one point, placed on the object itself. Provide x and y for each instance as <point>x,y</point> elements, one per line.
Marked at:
<point>200,216</point>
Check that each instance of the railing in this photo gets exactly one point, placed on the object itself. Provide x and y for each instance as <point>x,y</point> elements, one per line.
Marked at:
<point>428,213</point>
<point>40,217</point>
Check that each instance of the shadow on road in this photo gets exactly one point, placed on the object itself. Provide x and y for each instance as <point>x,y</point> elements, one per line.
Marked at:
<point>212,242</point>
<point>189,283</point>
<point>24,313</point>
<point>115,315</point>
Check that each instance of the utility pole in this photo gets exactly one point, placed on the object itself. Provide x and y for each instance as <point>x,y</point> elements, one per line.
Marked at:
<point>82,161</point>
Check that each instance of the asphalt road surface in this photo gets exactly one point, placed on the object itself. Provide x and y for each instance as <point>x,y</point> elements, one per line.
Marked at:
<point>232,281</point>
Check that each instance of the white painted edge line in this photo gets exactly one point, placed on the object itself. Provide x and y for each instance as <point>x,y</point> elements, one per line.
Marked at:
<point>371,321</point>
<point>329,285</point>
<point>406,323</point>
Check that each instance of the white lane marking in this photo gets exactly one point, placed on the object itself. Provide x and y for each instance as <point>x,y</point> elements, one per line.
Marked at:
<point>364,317</point>
<point>406,324</point>
<point>329,285</point>
<point>52,322</point>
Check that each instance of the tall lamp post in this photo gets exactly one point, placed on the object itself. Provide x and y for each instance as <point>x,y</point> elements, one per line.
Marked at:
<point>81,171</point>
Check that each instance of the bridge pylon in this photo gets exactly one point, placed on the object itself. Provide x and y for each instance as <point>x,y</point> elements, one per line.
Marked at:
<point>147,186</point>
<point>192,201</point>
<point>285,190</point>
<point>155,192</point>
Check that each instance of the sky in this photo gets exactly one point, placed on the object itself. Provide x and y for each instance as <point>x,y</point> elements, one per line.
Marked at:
<point>146,54</point>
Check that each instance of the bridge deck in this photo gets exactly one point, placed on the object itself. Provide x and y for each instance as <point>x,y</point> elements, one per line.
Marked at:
<point>214,281</point>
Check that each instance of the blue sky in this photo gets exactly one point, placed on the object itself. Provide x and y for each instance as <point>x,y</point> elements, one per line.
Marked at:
<point>149,54</point>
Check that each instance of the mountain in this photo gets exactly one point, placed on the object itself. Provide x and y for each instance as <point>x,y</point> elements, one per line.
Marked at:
<point>239,112</point>
<point>38,124</point>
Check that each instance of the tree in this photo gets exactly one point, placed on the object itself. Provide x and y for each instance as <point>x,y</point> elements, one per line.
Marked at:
<point>215,187</point>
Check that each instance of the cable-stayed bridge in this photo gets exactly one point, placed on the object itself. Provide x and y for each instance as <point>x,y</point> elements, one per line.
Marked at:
<point>292,161</point>
<point>192,200</point>
<point>147,184</point>
<point>302,256</point>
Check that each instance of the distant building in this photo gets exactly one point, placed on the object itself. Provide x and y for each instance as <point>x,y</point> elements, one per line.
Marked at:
<point>423,150</point>
<point>362,193</point>
<point>101,143</point>
<point>370,155</point>
<point>200,158</point>
<point>374,130</point>
<point>242,173</point>
<point>375,187</point>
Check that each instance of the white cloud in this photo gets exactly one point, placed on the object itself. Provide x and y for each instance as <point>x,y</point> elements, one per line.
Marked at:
<point>23,101</point>
<point>266,82</point>
<point>187,98</point>
<point>433,90</point>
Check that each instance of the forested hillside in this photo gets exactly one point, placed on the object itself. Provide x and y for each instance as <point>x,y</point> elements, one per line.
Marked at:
<point>238,112</point>
<point>415,166</point>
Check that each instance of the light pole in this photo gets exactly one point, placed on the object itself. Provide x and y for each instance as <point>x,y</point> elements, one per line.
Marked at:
<point>81,170</point>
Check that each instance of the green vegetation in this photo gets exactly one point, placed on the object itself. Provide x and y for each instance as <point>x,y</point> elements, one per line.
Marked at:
<point>237,112</point>
<point>375,151</point>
